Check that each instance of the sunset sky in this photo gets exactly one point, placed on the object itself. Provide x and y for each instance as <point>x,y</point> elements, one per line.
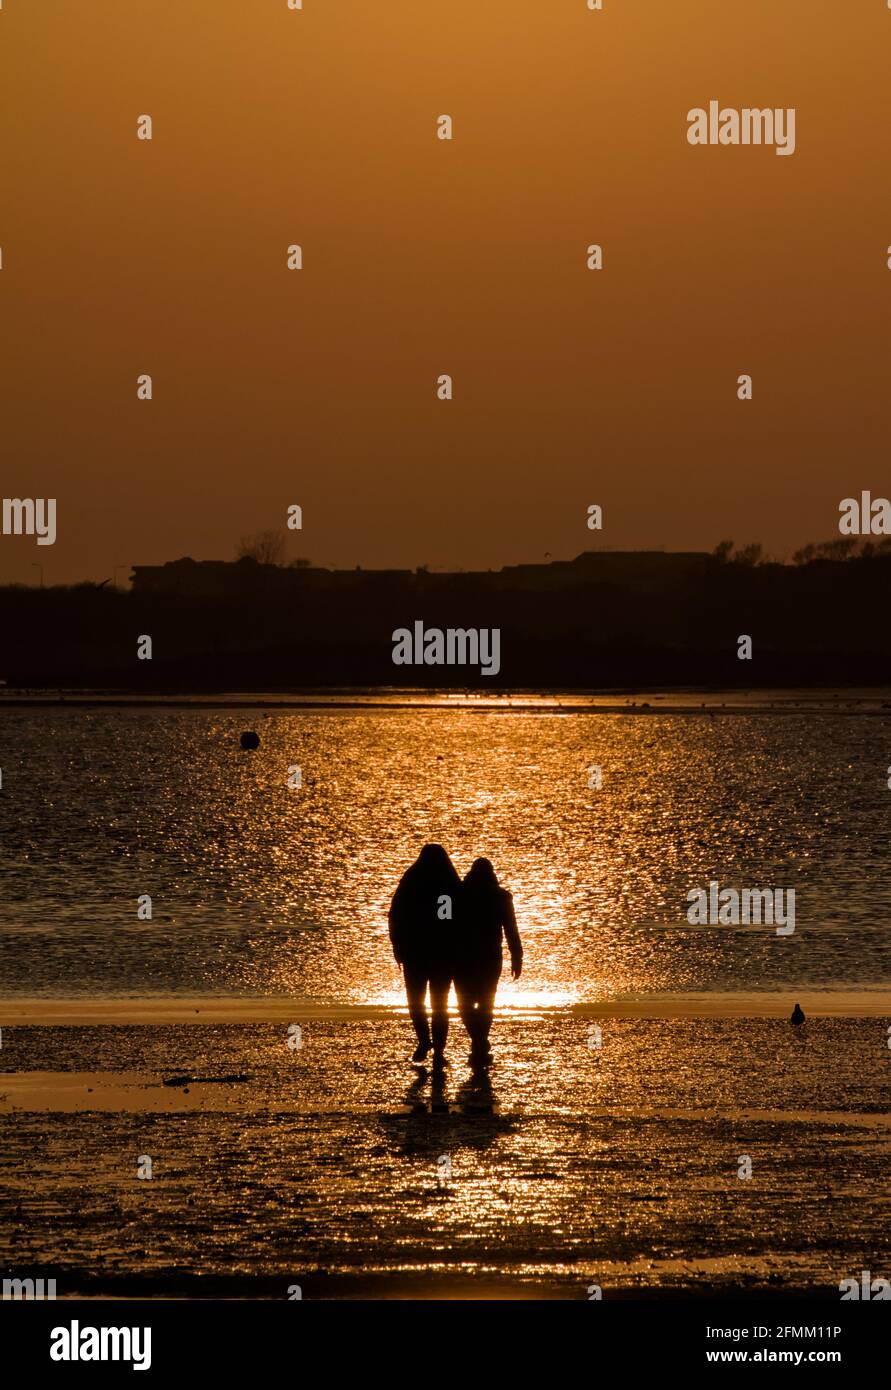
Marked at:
<point>424,257</point>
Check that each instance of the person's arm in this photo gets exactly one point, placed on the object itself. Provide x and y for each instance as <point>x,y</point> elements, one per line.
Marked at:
<point>512,936</point>
<point>394,919</point>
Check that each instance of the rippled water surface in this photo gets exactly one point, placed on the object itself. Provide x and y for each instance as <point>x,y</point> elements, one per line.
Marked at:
<point>261,889</point>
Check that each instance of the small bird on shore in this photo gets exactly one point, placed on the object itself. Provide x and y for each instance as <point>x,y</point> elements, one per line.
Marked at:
<point>797,1015</point>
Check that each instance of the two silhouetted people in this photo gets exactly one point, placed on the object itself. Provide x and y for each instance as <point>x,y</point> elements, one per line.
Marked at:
<point>443,930</point>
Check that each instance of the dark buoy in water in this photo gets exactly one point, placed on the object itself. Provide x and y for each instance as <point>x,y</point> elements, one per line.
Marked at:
<point>797,1015</point>
<point>250,740</point>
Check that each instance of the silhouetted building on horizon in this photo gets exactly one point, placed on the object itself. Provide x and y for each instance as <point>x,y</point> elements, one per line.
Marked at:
<point>187,578</point>
<point>606,619</point>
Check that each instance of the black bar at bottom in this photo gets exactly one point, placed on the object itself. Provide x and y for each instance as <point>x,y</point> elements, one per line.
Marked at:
<point>235,1338</point>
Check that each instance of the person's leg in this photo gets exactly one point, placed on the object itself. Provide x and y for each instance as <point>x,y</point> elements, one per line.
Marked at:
<point>471,998</point>
<point>415,993</point>
<point>486,1006</point>
<point>470,1010</point>
<point>485,1010</point>
<point>439,1008</point>
<point>477,1043</point>
<point>465,1006</point>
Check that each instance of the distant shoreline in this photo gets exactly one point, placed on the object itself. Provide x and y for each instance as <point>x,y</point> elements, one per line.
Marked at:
<point>874,701</point>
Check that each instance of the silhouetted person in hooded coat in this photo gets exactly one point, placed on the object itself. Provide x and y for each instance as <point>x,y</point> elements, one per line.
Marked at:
<point>421,924</point>
<point>487,914</point>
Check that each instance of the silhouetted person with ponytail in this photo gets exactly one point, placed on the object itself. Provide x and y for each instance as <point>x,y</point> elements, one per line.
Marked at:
<point>486,915</point>
<point>421,929</point>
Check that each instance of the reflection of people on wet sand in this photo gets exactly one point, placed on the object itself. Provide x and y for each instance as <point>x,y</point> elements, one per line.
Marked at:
<point>487,911</point>
<point>421,917</point>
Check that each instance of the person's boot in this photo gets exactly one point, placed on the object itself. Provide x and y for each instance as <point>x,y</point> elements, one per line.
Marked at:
<point>440,1037</point>
<point>422,1033</point>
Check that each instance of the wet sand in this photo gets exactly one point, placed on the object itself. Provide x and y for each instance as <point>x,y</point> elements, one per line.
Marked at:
<point>343,1169</point>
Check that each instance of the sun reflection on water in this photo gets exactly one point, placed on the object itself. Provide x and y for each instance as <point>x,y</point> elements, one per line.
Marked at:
<point>511,1001</point>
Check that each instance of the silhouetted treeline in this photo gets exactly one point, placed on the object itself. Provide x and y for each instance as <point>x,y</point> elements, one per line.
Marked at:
<point>605,621</point>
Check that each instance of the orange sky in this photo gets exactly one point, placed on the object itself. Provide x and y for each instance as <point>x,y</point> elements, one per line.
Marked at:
<point>423,257</point>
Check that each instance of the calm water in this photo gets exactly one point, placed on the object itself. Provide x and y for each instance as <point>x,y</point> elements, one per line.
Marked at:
<point>264,890</point>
